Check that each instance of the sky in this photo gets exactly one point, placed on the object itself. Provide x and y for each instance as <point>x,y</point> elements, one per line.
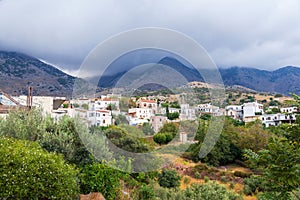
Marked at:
<point>264,34</point>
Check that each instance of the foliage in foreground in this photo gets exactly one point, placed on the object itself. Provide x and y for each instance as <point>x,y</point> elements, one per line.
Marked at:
<point>169,179</point>
<point>207,191</point>
<point>29,172</point>
<point>100,178</point>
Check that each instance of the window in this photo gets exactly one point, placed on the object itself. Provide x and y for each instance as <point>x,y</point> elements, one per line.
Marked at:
<point>103,121</point>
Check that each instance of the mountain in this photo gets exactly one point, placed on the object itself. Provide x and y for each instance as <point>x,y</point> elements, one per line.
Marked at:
<point>191,74</point>
<point>284,80</point>
<point>18,71</point>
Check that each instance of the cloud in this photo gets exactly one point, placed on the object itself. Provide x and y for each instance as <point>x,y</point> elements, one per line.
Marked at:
<point>252,33</point>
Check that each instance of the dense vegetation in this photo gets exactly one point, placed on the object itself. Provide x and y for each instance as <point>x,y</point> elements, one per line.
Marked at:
<point>45,159</point>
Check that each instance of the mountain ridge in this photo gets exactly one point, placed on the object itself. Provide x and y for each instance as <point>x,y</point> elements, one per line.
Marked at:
<point>18,71</point>
<point>21,71</point>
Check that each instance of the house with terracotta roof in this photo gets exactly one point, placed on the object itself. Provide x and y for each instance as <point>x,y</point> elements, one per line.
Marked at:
<point>146,103</point>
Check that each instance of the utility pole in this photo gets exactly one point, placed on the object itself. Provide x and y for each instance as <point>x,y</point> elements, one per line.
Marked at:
<point>29,98</point>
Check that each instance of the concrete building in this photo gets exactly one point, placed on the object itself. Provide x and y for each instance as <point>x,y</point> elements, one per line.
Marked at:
<point>103,104</point>
<point>235,112</point>
<point>157,122</point>
<point>187,113</point>
<point>145,103</point>
<point>277,119</point>
<point>208,109</point>
<point>252,109</point>
<point>141,113</point>
<point>292,109</point>
<point>46,103</point>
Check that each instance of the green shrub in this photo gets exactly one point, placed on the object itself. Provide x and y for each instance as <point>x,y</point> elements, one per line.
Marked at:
<point>253,184</point>
<point>187,180</point>
<point>146,193</point>
<point>242,174</point>
<point>100,178</point>
<point>206,179</point>
<point>29,172</point>
<point>159,138</point>
<point>197,175</point>
<point>223,179</point>
<point>169,137</point>
<point>231,185</point>
<point>211,191</point>
<point>169,179</point>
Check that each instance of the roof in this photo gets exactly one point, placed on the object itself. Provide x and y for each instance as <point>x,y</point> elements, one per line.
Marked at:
<point>148,101</point>
<point>106,111</point>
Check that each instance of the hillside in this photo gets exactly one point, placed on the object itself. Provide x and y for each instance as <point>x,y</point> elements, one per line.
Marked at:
<point>284,80</point>
<point>18,71</point>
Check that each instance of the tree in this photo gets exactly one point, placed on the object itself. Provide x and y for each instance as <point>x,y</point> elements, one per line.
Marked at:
<point>169,178</point>
<point>280,166</point>
<point>132,130</point>
<point>224,151</point>
<point>169,128</point>
<point>147,129</point>
<point>172,116</point>
<point>98,177</point>
<point>159,138</point>
<point>120,119</point>
<point>122,139</point>
<point>29,172</point>
<point>253,137</point>
<point>111,107</point>
<point>66,136</point>
<point>24,125</point>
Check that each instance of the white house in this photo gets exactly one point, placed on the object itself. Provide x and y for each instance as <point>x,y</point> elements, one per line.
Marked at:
<point>141,113</point>
<point>250,110</point>
<point>277,119</point>
<point>137,121</point>
<point>187,113</point>
<point>235,112</point>
<point>102,104</point>
<point>145,103</point>
<point>208,109</point>
<point>293,109</point>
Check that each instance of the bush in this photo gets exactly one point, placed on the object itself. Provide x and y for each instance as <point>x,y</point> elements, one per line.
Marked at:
<point>211,190</point>
<point>242,174</point>
<point>206,179</point>
<point>100,178</point>
<point>231,185</point>
<point>146,192</point>
<point>186,180</point>
<point>197,175</point>
<point>169,179</point>
<point>253,185</point>
<point>29,172</point>
<point>223,179</point>
<point>169,137</point>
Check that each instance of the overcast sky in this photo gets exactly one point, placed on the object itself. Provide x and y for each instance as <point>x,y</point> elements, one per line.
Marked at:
<point>257,33</point>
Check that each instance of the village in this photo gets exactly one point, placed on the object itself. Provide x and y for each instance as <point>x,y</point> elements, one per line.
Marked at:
<point>152,110</point>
